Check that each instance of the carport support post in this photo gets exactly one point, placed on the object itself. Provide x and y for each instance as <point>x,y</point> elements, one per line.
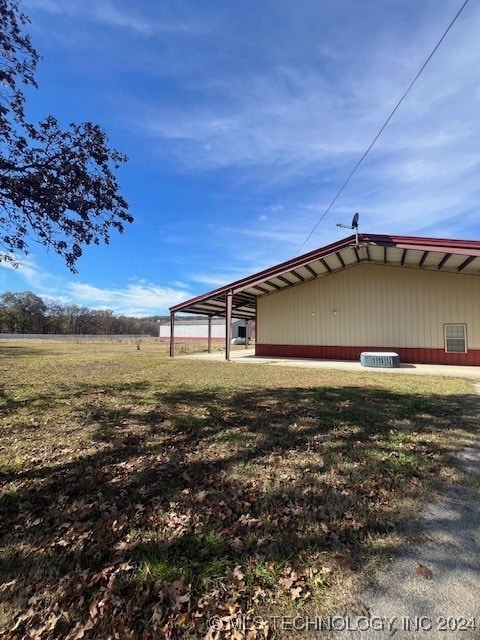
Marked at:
<point>209,345</point>
<point>172,334</point>
<point>228,324</point>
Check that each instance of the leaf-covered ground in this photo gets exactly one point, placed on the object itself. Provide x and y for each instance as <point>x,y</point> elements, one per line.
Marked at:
<point>144,497</point>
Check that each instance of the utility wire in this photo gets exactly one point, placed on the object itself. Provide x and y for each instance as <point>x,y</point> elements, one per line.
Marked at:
<point>383,127</point>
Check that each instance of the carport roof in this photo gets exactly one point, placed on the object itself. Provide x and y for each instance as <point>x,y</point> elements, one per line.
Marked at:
<point>433,254</point>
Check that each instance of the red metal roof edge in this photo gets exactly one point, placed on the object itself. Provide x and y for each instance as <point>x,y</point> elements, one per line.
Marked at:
<point>415,241</point>
<point>265,273</point>
<point>447,243</point>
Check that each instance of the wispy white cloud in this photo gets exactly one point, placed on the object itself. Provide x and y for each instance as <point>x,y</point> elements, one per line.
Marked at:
<point>140,298</point>
<point>113,14</point>
<point>268,126</point>
<point>28,270</point>
<point>101,11</point>
<point>107,13</point>
<point>217,278</point>
<point>135,299</point>
<point>177,284</point>
<point>291,125</point>
<point>211,279</point>
<point>287,234</point>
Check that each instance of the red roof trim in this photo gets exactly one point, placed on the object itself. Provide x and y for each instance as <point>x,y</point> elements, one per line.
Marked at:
<point>420,241</point>
<point>266,273</point>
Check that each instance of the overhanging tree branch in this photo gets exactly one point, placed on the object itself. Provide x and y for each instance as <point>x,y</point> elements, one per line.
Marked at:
<point>57,186</point>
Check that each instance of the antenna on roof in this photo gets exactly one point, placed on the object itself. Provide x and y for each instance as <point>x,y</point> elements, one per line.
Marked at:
<point>354,225</point>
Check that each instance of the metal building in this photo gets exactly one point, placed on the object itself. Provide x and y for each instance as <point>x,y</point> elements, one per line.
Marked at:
<point>418,297</point>
<point>197,328</point>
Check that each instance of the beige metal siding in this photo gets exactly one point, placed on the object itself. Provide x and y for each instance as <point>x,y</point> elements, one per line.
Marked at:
<point>375,305</point>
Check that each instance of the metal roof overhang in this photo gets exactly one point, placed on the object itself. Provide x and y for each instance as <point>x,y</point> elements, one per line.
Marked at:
<point>434,254</point>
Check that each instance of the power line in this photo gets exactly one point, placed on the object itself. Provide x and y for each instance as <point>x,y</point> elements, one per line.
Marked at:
<point>383,127</point>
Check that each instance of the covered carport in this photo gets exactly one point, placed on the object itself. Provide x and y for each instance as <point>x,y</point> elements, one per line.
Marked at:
<point>228,303</point>
<point>239,299</point>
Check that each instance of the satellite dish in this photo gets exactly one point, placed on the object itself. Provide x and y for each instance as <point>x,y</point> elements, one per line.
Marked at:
<point>354,225</point>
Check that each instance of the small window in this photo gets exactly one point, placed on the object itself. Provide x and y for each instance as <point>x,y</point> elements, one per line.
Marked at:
<point>456,338</point>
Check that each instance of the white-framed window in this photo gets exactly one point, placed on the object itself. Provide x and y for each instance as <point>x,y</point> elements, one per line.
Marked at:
<point>455,338</point>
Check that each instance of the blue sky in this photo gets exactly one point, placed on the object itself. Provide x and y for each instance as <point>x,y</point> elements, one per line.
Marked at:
<point>242,119</point>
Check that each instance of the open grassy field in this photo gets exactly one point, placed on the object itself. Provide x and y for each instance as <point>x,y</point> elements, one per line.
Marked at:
<point>143,496</point>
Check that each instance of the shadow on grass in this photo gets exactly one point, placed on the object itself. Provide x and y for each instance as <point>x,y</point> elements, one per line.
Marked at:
<point>40,403</point>
<point>199,483</point>
<point>16,351</point>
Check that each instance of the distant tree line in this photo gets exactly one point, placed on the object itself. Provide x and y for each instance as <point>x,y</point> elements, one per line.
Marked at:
<point>27,313</point>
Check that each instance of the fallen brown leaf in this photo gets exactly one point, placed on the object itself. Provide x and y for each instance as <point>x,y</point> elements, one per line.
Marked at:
<point>423,571</point>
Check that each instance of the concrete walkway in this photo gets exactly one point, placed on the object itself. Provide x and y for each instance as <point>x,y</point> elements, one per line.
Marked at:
<point>440,601</point>
<point>247,356</point>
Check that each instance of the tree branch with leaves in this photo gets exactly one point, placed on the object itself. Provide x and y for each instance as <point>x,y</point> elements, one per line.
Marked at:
<point>57,186</point>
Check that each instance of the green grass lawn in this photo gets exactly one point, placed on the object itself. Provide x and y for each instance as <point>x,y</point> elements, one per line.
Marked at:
<point>141,496</point>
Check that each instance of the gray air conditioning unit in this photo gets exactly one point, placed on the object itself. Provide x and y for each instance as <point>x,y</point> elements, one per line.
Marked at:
<point>379,359</point>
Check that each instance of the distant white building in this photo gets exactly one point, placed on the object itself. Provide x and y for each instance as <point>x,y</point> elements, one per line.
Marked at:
<point>192,328</point>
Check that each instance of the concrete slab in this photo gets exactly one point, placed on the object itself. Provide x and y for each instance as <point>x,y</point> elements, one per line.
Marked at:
<point>247,356</point>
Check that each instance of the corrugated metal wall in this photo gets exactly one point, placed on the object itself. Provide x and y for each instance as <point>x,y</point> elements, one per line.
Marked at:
<point>193,331</point>
<point>372,305</point>
<point>200,330</point>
